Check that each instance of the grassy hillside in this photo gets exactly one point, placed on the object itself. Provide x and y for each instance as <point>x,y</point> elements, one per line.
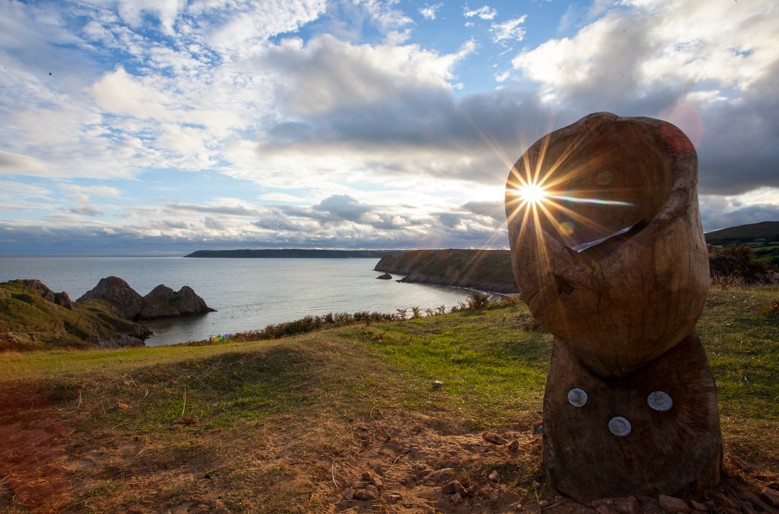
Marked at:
<point>768,230</point>
<point>300,424</point>
<point>34,318</point>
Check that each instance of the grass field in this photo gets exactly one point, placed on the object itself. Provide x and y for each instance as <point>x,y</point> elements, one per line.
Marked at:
<point>297,424</point>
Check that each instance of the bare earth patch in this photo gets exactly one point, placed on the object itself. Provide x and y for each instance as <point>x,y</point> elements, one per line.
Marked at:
<point>399,462</point>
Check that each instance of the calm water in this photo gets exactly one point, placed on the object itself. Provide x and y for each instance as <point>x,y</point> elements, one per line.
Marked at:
<point>248,294</point>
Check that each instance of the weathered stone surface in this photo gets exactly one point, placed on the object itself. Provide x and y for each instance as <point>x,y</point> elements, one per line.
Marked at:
<point>163,302</point>
<point>123,300</point>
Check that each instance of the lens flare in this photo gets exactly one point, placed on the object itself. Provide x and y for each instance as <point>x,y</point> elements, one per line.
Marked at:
<point>532,193</point>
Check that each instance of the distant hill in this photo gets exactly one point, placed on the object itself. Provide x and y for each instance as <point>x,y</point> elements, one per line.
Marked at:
<point>485,270</point>
<point>291,253</point>
<point>768,230</point>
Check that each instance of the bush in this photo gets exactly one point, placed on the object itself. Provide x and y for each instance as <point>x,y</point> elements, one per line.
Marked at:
<point>736,263</point>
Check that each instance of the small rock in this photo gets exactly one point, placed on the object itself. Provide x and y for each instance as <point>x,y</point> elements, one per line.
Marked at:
<point>438,384</point>
<point>456,499</point>
<point>442,475</point>
<point>770,496</point>
<point>494,495</point>
<point>698,506</point>
<point>494,476</point>
<point>373,479</point>
<point>725,500</point>
<point>492,437</point>
<point>121,405</point>
<point>626,505</point>
<point>409,482</point>
<point>543,504</point>
<point>672,504</point>
<point>370,493</point>
<point>514,445</point>
<point>385,276</point>
<point>454,487</point>
<point>393,498</point>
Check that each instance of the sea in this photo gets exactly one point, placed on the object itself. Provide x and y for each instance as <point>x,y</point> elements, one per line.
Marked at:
<point>248,294</point>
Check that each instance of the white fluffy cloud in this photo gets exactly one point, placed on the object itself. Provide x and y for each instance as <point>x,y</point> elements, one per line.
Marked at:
<point>509,31</point>
<point>484,12</point>
<point>430,11</point>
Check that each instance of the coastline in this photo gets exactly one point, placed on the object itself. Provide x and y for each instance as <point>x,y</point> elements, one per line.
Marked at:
<point>486,271</point>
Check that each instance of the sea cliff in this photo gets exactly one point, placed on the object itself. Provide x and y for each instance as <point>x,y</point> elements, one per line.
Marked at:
<point>485,270</point>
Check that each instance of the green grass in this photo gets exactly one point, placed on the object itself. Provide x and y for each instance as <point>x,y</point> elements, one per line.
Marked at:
<point>491,368</point>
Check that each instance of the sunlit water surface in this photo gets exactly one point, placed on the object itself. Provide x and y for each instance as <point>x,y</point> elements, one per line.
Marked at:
<point>248,294</point>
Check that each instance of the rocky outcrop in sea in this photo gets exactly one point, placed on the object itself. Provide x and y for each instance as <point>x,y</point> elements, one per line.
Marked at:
<point>123,301</point>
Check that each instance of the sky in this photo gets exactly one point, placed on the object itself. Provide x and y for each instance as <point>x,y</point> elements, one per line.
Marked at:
<point>167,126</point>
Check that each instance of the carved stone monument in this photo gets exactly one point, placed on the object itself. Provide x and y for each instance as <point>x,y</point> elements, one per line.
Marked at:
<point>609,255</point>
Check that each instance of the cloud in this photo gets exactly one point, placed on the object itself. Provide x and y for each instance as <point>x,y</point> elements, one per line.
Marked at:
<point>120,93</point>
<point>429,11</point>
<point>132,12</point>
<point>509,31</point>
<point>343,207</point>
<point>85,210</point>
<point>236,209</point>
<point>106,191</point>
<point>328,74</point>
<point>246,27</point>
<point>17,164</point>
<point>484,12</point>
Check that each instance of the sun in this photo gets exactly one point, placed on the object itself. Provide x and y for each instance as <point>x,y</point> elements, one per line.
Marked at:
<point>532,193</point>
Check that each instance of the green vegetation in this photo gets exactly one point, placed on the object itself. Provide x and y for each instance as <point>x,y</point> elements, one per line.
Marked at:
<point>767,230</point>
<point>32,317</point>
<point>288,424</point>
<point>768,253</point>
<point>487,270</point>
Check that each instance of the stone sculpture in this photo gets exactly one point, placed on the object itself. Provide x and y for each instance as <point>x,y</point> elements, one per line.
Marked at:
<point>609,255</point>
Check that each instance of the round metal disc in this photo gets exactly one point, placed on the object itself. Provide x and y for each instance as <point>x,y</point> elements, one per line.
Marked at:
<point>659,401</point>
<point>577,397</point>
<point>619,426</point>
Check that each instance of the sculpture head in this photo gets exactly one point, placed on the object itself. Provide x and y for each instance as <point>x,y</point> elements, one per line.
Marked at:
<point>606,241</point>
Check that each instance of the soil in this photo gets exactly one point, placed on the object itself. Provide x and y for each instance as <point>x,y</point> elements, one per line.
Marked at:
<point>395,462</point>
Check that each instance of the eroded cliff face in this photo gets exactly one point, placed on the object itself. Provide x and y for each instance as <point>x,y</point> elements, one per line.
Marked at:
<point>485,270</point>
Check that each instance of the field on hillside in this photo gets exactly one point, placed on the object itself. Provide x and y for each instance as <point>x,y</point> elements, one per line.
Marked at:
<point>314,423</point>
